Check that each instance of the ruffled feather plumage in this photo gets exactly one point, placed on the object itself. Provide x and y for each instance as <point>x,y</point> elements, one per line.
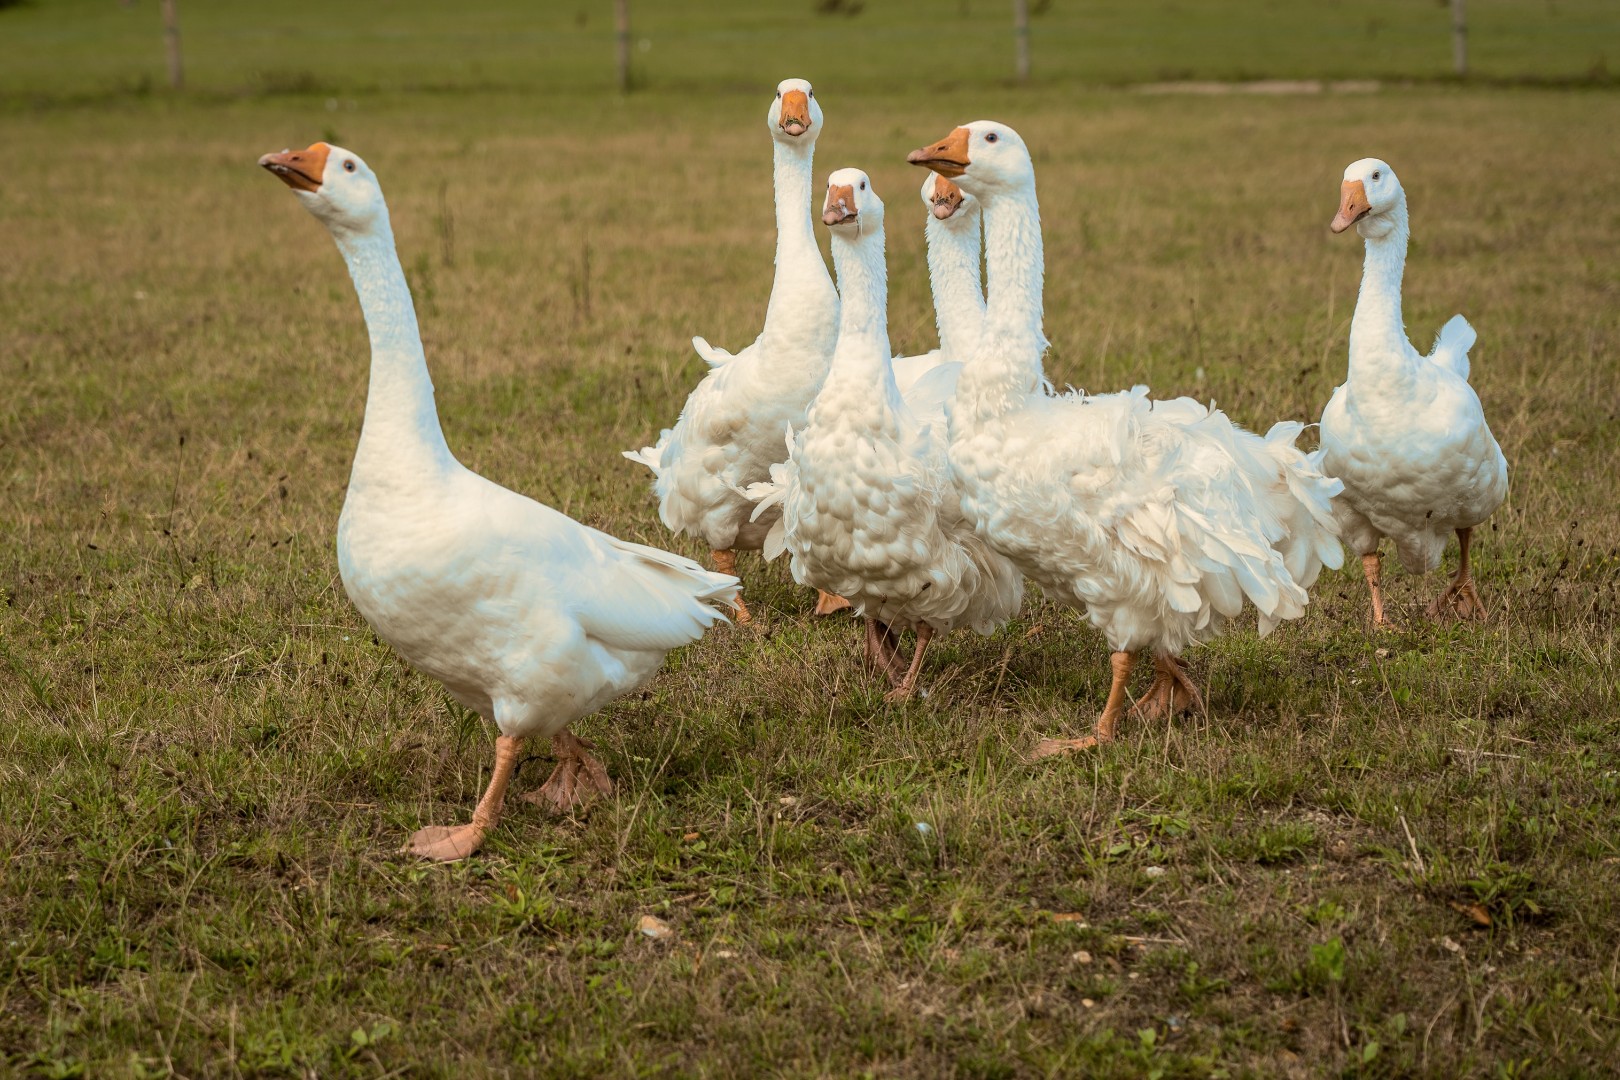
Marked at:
<point>868,507</point>
<point>730,430</point>
<point>1158,519</point>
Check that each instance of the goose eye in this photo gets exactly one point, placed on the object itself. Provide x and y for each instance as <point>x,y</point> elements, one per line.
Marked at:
<point>990,137</point>
<point>1376,175</point>
<point>810,93</point>
<point>348,166</point>
<point>779,93</point>
<point>863,185</point>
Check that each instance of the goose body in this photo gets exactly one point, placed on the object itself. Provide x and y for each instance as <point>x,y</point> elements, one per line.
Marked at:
<point>1158,519</point>
<point>732,428</point>
<point>1405,433</point>
<point>868,510</point>
<point>526,616</point>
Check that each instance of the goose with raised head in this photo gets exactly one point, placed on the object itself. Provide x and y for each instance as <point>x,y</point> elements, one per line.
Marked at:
<point>732,428</point>
<point>527,617</point>
<point>951,230</point>
<point>1405,432</point>
<point>1156,518</point>
<point>867,510</point>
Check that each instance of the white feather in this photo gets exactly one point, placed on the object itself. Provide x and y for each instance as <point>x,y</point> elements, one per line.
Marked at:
<point>526,616</point>
<point>1158,518</point>
<point>868,508</point>
<point>730,430</point>
<point>1406,434</point>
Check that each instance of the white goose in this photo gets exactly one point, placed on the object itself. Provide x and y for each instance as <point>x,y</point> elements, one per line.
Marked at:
<point>867,507</point>
<point>528,617</point>
<point>732,428</point>
<point>1406,433</point>
<point>1157,518</point>
<point>952,233</point>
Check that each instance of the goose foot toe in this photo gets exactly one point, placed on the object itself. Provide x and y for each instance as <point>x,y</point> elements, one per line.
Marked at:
<point>445,843</point>
<point>578,778</point>
<point>1460,600</point>
<point>830,603</point>
<point>1171,692</point>
<point>1053,747</point>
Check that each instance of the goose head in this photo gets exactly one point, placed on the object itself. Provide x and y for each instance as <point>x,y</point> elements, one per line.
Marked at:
<point>945,201</point>
<point>1368,198</point>
<point>852,207</point>
<point>332,183</point>
<point>794,117</point>
<point>983,157</point>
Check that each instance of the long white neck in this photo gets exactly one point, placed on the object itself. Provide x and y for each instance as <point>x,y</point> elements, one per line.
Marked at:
<point>953,273</point>
<point>1006,366</point>
<point>802,294</point>
<point>861,380</point>
<point>401,436</point>
<point>1378,342</point>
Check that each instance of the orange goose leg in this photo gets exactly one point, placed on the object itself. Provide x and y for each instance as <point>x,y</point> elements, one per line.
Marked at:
<point>1460,598</point>
<point>449,843</point>
<point>1372,565</point>
<point>1172,692</point>
<point>908,685</point>
<point>725,562</point>
<point>882,651</point>
<point>1122,663</point>
<point>577,777</point>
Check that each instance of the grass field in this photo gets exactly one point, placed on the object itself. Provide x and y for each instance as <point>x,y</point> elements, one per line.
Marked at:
<point>207,763</point>
<point>70,50</point>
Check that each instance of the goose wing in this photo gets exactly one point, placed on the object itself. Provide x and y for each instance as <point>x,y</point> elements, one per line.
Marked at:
<point>1451,346</point>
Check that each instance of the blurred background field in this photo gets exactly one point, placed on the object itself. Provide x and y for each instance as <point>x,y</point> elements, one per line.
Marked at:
<point>207,762</point>
<point>68,48</point>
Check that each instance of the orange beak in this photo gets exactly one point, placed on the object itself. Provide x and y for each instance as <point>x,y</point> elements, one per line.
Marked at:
<point>795,118</point>
<point>300,170</point>
<point>947,198</point>
<point>948,157</point>
<point>1353,205</point>
<point>840,205</point>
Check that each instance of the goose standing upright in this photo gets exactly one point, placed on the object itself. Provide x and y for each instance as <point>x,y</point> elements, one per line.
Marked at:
<point>732,428</point>
<point>1405,433</point>
<point>1157,518</point>
<point>951,230</point>
<point>526,616</point>
<point>867,507</point>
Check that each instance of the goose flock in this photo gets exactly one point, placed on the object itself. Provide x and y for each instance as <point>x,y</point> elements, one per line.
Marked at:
<point>920,492</point>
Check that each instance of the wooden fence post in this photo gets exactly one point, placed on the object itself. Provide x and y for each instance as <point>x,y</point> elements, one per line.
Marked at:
<point>621,35</point>
<point>1021,39</point>
<point>171,43</point>
<point>1459,36</point>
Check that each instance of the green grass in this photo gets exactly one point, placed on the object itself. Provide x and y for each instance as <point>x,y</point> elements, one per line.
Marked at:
<point>68,49</point>
<point>207,763</point>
